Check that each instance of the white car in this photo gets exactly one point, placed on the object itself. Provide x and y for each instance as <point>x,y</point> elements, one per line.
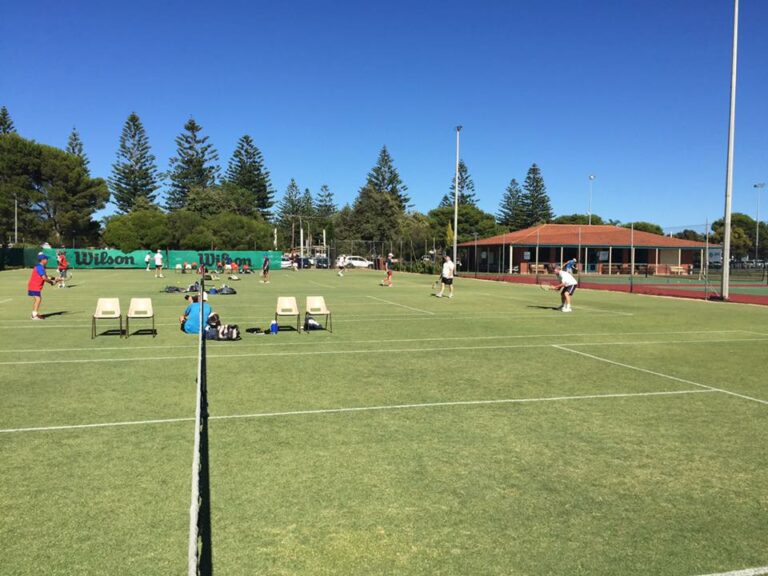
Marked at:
<point>358,262</point>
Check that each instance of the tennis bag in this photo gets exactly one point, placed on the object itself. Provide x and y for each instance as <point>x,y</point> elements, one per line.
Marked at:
<point>311,324</point>
<point>230,332</point>
<point>227,290</point>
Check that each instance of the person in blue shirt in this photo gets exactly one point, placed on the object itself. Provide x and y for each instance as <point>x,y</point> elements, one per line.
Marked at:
<point>190,320</point>
<point>570,266</point>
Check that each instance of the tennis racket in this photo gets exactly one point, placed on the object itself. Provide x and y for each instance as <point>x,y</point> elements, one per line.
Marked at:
<point>546,287</point>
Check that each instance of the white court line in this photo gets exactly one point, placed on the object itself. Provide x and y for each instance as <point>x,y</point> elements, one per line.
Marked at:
<point>6,300</point>
<point>358,409</point>
<point>387,350</point>
<point>323,285</point>
<point>401,305</point>
<point>746,572</point>
<point>261,343</point>
<point>661,375</point>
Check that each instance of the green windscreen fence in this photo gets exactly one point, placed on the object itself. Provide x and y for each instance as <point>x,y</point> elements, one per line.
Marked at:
<point>27,257</point>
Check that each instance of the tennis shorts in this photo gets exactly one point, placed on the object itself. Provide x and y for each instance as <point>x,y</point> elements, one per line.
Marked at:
<point>568,290</point>
<point>33,292</point>
<point>447,281</point>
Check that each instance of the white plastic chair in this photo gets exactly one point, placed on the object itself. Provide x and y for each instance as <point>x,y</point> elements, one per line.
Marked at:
<point>287,306</point>
<point>106,309</point>
<point>140,308</point>
<point>316,307</point>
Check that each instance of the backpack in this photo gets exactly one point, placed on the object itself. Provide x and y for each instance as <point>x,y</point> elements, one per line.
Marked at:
<point>229,332</point>
<point>170,289</point>
<point>227,290</point>
<point>311,324</point>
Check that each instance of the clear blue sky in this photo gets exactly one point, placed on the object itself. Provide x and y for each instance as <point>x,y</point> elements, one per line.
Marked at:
<point>634,91</point>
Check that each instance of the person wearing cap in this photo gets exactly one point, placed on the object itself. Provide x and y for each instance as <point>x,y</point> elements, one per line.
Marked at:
<point>567,286</point>
<point>446,278</point>
<point>341,263</point>
<point>36,282</point>
<point>389,266</point>
<point>190,319</point>
<point>159,264</point>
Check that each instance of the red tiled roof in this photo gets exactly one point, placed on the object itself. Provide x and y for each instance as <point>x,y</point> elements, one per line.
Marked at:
<point>584,235</point>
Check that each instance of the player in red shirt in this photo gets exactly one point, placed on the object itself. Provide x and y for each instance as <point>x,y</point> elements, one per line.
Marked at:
<point>63,267</point>
<point>36,282</point>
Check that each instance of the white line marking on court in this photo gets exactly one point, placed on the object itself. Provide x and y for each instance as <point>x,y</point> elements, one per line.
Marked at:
<point>6,300</point>
<point>261,343</point>
<point>359,409</point>
<point>746,572</point>
<point>387,350</point>
<point>323,285</point>
<point>401,305</point>
<point>660,374</point>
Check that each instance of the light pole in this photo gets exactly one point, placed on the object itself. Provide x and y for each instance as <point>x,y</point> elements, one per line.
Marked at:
<point>591,179</point>
<point>15,220</point>
<point>456,200</point>
<point>759,186</point>
<point>726,277</point>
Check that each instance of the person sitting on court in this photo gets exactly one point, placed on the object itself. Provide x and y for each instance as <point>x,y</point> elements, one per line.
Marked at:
<point>190,319</point>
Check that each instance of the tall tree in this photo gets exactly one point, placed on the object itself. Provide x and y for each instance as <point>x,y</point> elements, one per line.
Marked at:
<point>466,189</point>
<point>536,206</point>
<point>54,189</point>
<point>325,206</point>
<point>375,215</point>
<point>134,174</point>
<point>288,210</point>
<point>642,227</point>
<point>511,215</point>
<point>384,178</point>
<point>246,170</point>
<point>6,124</point>
<point>193,165</point>
<point>75,147</point>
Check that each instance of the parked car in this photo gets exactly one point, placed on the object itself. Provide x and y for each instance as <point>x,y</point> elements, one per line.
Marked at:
<point>303,263</point>
<point>358,262</point>
<point>285,262</point>
<point>322,262</point>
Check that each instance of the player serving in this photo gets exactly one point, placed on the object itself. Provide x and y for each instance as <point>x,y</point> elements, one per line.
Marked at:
<point>567,286</point>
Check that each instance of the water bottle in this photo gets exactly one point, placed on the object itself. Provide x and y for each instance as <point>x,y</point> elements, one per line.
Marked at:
<point>273,327</point>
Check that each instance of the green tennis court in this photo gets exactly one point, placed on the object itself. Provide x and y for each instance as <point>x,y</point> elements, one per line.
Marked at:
<point>484,434</point>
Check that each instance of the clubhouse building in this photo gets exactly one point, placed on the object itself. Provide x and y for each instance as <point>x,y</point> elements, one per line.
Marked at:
<point>599,249</point>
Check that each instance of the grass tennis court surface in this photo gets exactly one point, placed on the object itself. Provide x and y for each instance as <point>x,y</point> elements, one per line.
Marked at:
<point>487,434</point>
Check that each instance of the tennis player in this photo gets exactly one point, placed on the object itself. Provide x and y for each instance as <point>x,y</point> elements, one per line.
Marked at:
<point>567,286</point>
<point>446,278</point>
<point>35,285</point>
<point>389,265</point>
<point>159,264</point>
<point>265,269</point>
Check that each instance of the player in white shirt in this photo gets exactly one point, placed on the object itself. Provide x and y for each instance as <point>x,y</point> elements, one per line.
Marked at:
<point>567,287</point>
<point>159,264</point>
<point>446,278</point>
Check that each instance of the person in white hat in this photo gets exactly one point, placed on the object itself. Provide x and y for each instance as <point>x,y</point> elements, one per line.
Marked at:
<point>389,266</point>
<point>190,319</point>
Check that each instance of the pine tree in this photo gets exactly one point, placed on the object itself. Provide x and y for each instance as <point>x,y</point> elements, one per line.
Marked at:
<point>246,170</point>
<point>287,209</point>
<point>325,206</point>
<point>6,124</point>
<point>466,189</point>
<point>75,147</point>
<point>510,214</point>
<point>536,206</point>
<point>194,165</point>
<point>384,178</point>
<point>134,174</point>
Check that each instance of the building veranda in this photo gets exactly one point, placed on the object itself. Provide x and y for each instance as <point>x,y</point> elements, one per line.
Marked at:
<point>599,249</point>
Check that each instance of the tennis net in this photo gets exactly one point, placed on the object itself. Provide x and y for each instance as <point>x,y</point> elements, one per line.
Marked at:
<point>200,557</point>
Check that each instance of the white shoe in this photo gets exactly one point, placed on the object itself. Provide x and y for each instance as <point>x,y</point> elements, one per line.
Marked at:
<point>565,310</point>
<point>450,295</point>
<point>439,295</point>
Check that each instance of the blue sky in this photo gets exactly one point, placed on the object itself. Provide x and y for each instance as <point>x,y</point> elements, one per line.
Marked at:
<point>633,91</point>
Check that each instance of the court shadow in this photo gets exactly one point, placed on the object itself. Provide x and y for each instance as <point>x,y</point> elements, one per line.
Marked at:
<point>544,307</point>
<point>59,313</point>
<point>111,332</point>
